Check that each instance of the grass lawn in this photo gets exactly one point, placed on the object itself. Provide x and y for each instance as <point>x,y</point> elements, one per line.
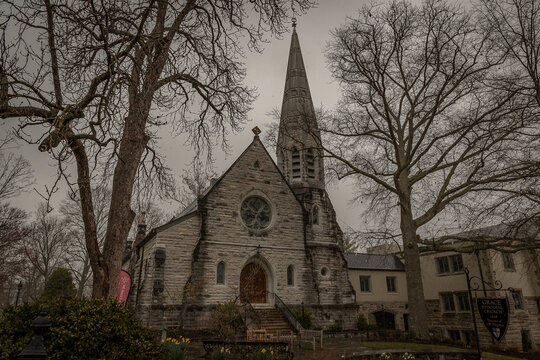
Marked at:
<point>414,346</point>
<point>491,356</point>
<point>403,345</point>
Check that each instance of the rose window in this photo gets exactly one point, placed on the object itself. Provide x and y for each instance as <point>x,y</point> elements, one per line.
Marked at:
<point>256,213</point>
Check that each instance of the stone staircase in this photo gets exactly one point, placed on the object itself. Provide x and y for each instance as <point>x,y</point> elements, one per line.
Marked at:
<point>273,321</point>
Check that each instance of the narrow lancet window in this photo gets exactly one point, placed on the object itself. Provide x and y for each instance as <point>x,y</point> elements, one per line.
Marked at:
<point>315,216</point>
<point>310,160</point>
<point>290,275</point>
<point>295,164</point>
<point>220,276</point>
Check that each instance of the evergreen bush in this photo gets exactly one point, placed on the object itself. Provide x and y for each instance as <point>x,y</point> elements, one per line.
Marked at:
<point>59,285</point>
<point>303,315</point>
<point>362,323</point>
<point>81,329</point>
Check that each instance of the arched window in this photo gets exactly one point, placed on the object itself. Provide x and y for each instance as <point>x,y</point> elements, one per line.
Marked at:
<point>315,216</point>
<point>220,276</point>
<point>310,162</point>
<point>290,275</point>
<point>295,163</point>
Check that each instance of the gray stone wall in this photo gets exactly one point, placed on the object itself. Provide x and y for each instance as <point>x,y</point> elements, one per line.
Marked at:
<point>398,308</point>
<point>192,247</point>
<point>528,319</point>
<point>227,239</point>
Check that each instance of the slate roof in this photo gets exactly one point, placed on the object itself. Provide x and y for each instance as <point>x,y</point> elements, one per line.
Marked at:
<point>518,231</point>
<point>361,261</point>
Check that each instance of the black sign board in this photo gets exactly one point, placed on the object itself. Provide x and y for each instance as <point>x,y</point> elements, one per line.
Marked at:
<point>494,314</point>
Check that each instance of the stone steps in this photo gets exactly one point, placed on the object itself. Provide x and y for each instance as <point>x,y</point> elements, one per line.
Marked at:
<point>273,321</point>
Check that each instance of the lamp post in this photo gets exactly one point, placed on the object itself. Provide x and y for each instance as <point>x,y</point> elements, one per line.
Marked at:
<point>19,288</point>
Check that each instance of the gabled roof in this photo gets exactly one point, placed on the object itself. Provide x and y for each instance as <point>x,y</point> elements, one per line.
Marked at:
<point>360,261</point>
<point>194,206</point>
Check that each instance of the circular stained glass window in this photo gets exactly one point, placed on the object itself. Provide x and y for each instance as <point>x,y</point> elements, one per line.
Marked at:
<point>256,213</point>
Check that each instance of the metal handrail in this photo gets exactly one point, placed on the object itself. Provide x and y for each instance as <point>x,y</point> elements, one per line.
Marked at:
<point>252,313</point>
<point>285,311</point>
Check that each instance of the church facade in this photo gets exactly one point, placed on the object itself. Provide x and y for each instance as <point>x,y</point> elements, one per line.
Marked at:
<point>261,233</point>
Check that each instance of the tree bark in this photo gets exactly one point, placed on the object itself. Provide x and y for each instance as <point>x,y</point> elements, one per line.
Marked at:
<point>413,271</point>
<point>121,216</point>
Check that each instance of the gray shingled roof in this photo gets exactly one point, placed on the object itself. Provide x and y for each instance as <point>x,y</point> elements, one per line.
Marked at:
<point>360,261</point>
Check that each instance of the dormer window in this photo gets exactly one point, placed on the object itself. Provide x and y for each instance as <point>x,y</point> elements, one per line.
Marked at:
<point>295,164</point>
<point>310,162</point>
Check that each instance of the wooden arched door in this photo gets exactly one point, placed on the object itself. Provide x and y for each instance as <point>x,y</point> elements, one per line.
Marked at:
<point>253,283</point>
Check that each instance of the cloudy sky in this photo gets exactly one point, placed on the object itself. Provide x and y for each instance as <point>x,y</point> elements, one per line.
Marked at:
<point>266,72</point>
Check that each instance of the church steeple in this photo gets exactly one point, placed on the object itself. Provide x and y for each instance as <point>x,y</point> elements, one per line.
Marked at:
<point>298,153</point>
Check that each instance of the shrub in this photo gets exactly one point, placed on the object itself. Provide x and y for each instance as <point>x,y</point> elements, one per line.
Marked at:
<point>361,323</point>
<point>385,356</point>
<point>303,315</point>
<point>176,348</point>
<point>227,319</point>
<point>81,329</point>
<point>59,285</point>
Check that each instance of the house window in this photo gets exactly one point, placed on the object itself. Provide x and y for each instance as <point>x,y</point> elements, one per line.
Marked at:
<point>538,305</point>
<point>310,162</point>
<point>463,301</point>
<point>448,302</point>
<point>290,275</point>
<point>391,283</point>
<point>518,299</point>
<point>457,262</point>
<point>454,335</point>
<point>508,261</point>
<point>449,264</point>
<point>295,164</point>
<point>220,276</point>
<point>324,271</point>
<point>442,265</point>
<point>365,284</point>
<point>315,216</point>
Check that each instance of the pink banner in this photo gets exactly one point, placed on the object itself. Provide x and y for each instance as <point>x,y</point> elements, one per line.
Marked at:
<point>124,286</point>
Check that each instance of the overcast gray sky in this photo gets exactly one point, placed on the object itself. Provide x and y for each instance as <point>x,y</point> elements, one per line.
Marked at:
<point>265,71</point>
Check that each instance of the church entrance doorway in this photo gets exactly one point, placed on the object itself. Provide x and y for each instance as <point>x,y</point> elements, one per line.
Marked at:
<point>253,284</point>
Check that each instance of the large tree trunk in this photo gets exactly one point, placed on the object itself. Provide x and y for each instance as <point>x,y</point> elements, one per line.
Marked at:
<point>415,289</point>
<point>121,216</point>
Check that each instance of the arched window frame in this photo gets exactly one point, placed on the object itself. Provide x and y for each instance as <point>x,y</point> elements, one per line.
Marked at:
<point>290,275</point>
<point>220,273</point>
<point>296,164</point>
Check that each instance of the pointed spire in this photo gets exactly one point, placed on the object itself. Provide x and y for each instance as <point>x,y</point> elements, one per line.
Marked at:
<point>299,155</point>
<point>296,97</point>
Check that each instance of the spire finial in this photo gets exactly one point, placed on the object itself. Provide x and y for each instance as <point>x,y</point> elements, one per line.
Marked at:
<point>293,22</point>
<point>256,130</point>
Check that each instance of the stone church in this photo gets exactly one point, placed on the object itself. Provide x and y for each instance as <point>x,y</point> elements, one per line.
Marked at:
<point>263,233</point>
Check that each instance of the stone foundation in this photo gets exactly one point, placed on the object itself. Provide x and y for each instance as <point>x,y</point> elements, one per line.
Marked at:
<point>326,316</point>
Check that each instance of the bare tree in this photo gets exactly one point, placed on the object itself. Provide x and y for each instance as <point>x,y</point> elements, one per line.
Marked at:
<point>515,28</point>
<point>76,255</point>
<point>12,260</point>
<point>102,76</point>
<point>46,243</point>
<point>422,125</point>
